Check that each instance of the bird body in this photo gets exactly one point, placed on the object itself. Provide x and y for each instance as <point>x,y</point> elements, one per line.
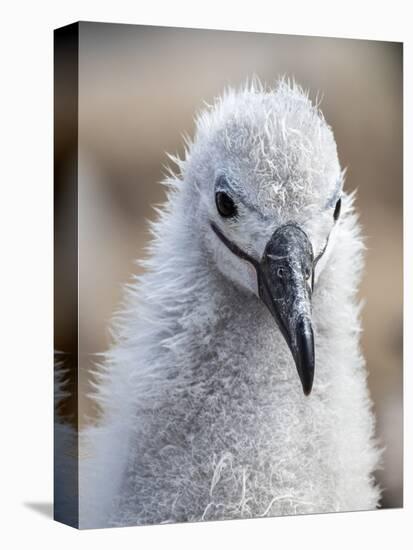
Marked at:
<point>204,415</point>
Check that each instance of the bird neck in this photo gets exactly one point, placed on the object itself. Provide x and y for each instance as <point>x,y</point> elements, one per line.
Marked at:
<point>211,329</point>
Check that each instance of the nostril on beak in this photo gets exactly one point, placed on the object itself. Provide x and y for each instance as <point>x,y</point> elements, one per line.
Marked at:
<point>281,272</point>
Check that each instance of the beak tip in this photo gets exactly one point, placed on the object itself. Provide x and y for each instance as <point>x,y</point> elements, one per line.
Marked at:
<point>306,378</point>
<point>307,388</point>
<point>305,355</point>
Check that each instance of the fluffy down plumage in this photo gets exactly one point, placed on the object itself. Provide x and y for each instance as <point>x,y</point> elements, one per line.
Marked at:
<point>204,414</point>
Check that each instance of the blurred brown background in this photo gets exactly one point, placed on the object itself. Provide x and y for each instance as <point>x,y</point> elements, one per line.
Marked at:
<point>139,88</point>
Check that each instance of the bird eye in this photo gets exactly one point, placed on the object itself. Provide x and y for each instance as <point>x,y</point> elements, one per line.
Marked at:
<point>337,210</point>
<point>225,205</point>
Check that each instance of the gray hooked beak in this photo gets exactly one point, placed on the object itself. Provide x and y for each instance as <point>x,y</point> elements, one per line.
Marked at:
<point>285,275</point>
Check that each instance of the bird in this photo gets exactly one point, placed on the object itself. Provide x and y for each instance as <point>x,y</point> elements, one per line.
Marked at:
<point>235,386</point>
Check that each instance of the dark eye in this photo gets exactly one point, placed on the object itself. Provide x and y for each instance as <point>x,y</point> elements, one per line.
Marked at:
<point>225,205</point>
<point>337,210</point>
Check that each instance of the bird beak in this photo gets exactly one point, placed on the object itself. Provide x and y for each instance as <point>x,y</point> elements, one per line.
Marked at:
<point>285,275</point>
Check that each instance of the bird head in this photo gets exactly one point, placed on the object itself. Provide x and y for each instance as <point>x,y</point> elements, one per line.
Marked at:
<point>266,189</point>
